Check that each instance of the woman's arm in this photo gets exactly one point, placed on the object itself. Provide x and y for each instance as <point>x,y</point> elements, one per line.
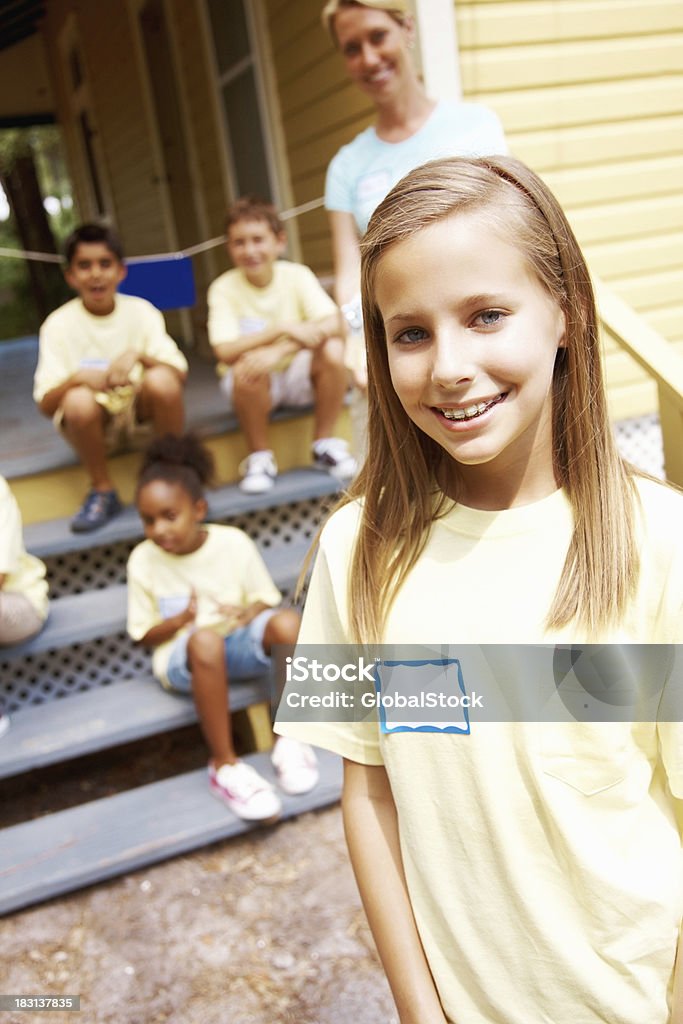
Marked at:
<point>371,828</point>
<point>346,255</point>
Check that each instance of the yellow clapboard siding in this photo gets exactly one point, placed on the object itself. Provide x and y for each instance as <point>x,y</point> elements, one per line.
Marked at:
<point>632,179</point>
<point>481,25</point>
<point>116,88</point>
<point>579,103</point>
<point>621,258</point>
<point>201,121</point>
<point>646,217</point>
<point>291,21</point>
<point>335,114</point>
<point>319,151</point>
<point>650,291</point>
<point>301,46</point>
<point>602,143</point>
<point>557,63</point>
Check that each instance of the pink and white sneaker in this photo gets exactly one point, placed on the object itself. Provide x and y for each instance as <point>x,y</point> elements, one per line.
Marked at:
<point>296,766</point>
<point>245,792</point>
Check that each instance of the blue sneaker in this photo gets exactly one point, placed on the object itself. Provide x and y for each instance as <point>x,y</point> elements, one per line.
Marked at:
<point>97,509</point>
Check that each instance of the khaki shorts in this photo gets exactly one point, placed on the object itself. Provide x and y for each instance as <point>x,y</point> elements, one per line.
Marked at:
<point>291,386</point>
<point>122,429</point>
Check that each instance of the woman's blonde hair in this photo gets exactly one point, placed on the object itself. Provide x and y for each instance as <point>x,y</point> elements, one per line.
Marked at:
<point>399,483</point>
<point>397,9</point>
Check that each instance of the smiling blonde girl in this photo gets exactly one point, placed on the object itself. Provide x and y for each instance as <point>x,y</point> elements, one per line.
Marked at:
<point>521,873</point>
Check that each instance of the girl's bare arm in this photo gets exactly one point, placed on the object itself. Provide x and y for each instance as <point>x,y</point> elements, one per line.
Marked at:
<point>371,828</point>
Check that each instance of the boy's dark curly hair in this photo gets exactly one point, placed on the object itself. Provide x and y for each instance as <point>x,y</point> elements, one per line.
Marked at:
<point>177,460</point>
<point>87,233</point>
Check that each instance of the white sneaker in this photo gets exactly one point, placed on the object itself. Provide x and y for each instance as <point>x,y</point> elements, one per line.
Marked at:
<point>333,455</point>
<point>245,792</point>
<point>4,723</point>
<point>296,766</point>
<point>258,471</point>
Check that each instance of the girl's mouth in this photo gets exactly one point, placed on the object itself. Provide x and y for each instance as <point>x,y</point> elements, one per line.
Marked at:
<point>471,412</point>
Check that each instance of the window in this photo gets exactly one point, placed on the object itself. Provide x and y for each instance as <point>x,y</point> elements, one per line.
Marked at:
<point>241,97</point>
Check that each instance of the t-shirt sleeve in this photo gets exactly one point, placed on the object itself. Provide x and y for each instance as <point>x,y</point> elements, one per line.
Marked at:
<point>143,612</point>
<point>314,301</point>
<point>157,343</point>
<point>223,324</point>
<point>52,369</point>
<point>492,141</point>
<point>11,542</point>
<point>322,624</point>
<point>258,583</point>
<point>337,185</point>
<point>670,723</point>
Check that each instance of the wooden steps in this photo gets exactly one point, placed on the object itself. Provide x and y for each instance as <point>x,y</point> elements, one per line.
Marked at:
<point>98,840</point>
<point>108,837</point>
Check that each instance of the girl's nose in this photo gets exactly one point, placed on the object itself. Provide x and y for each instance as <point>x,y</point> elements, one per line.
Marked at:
<point>452,362</point>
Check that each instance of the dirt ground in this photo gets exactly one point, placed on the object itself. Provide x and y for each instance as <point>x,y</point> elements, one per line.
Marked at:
<point>267,929</point>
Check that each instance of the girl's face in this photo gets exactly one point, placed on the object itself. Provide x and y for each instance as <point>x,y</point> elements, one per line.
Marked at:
<point>472,337</point>
<point>171,517</point>
<point>375,48</point>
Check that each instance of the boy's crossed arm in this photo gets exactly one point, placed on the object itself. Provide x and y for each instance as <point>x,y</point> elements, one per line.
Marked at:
<point>98,379</point>
<point>283,338</point>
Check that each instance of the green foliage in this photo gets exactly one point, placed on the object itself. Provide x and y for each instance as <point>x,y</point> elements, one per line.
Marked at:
<point>18,314</point>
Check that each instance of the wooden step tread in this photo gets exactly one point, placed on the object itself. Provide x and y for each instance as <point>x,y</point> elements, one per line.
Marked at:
<point>83,723</point>
<point>118,834</point>
<point>55,538</point>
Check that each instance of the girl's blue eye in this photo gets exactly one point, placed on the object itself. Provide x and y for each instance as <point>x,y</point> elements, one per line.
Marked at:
<point>490,317</point>
<point>413,336</point>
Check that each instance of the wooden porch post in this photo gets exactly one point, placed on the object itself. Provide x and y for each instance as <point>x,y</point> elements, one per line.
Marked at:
<point>438,42</point>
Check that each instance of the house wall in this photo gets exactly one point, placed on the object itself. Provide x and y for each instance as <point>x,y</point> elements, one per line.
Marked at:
<point>321,110</point>
<point>590,93</point>
<point>25,87</point>
<point>591,96</point>
<point>132,168</point>
<point>112,72</point>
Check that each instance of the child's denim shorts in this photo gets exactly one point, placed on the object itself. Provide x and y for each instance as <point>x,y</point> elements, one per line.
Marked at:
<point>244,654</point>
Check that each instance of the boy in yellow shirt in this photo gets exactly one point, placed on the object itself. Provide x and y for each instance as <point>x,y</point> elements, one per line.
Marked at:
<point>279,340</point>
<point>106,366</point>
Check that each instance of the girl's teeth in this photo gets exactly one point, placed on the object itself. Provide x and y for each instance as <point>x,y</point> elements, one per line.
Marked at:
<point>468,413</point>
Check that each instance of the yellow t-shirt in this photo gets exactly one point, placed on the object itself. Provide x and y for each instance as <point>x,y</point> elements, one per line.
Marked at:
<point>25,574</point>
<point>226,569</point>
<point>71,338</point>
<point>537,898</point>
<point>237,307</point>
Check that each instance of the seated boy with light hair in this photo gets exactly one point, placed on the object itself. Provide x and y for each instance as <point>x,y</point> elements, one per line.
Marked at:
<point>106,367</point>
<point>279,340</point>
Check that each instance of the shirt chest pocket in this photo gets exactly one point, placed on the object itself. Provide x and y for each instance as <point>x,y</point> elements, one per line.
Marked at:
<point>588,756</point>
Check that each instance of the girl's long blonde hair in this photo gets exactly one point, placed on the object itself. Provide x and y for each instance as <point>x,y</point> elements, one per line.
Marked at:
<point>399,481</point>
